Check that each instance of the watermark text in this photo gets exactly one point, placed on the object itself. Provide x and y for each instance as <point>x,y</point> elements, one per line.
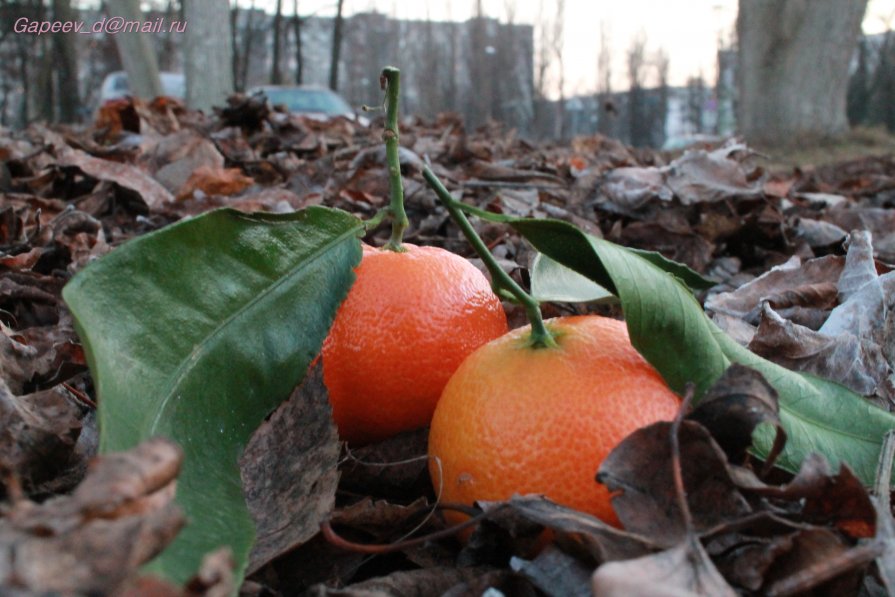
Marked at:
<point>109,25</point>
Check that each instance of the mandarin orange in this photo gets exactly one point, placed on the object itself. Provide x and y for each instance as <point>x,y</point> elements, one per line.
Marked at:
<point>408,322</point>
<point>518,419</point>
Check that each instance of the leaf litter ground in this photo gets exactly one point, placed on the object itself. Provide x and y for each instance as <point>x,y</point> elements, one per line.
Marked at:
<point>801,265</point>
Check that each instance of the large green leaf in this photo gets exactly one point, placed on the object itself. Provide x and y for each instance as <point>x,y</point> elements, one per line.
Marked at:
<point>668,326</point>
<point>196,332</point>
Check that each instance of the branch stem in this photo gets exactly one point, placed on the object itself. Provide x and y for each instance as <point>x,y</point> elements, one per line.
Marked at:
<point>390,81</point>
<point>540,335</point>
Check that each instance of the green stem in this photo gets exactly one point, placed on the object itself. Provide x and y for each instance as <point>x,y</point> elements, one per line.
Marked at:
<point>540,335</point>
<point>390,81</point>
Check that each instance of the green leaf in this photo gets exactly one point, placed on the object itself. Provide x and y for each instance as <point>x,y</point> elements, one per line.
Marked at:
<point>686,275</point>
<point>668,326</point>
<point>199,330</point>
<point>553,282</point>
<point>689,277</point>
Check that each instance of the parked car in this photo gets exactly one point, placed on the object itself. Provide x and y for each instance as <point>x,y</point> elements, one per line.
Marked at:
<point>315,102</point>
<point>115,86</point>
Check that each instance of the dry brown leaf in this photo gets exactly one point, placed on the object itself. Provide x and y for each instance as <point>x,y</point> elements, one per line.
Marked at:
<point>289,495</point>
<point>215,181</point>
<point>126,176</point>
<point>120,517</point>
<point>685,570</point>
<point>640,470</point>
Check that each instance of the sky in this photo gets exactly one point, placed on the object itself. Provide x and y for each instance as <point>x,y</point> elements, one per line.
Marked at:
<point>688,30</point>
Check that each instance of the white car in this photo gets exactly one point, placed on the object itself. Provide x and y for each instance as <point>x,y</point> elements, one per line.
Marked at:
<point>312,101</point>
<point>115,86</point>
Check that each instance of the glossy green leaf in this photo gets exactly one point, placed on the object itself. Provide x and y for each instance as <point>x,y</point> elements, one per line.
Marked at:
<point>551,281</point>
<point>196,332</point>
<point>668,326</point>
<point>688,276</point>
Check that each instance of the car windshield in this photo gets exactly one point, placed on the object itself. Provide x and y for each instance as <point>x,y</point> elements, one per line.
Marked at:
<point>308,100</point>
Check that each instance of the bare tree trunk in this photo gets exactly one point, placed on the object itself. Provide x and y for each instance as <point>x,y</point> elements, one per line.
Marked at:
<point>430,92</point>
<point>638,127</point>
<point>481,95</point>
<point>557,45</point>
<point>696,102</point>
<point>66,53</point>
<point>135,50</point>
<point>299,58</point>
<point>337,48</point>
<point>247,43</point>
<point>44,91</point>
<point>169,49</point>
<point>275,76</point>
<point>450,84</point>
<point>606,110</point>
<point>793,67</point>
<point>660,118</point>
<point>209,78</point>
<point>24,77</point>
<point>234,43</point>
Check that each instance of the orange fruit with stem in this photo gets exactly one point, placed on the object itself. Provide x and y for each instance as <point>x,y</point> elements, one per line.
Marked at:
<point>516,418</point>
<point>408,322</point>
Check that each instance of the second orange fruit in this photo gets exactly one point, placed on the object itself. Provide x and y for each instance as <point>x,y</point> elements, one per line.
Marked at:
<point>408,322</point>
<point>517,419</point>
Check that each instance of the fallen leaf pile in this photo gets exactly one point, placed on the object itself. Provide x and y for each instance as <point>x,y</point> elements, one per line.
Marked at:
<point>801,265</point>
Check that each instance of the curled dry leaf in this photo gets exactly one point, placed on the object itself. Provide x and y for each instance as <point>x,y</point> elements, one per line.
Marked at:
<point>698,176</point>
<point>684,570</point>
<point>744,549</point>
<point>119,518</point>
<point>215,181</point>
<point>844,358</point>
<point>555,573</point>
<point>818,559</point>
<point>824,498</point>
<point>880,222</point>
<point>427,581</point>
<point>395,467</point>
<point>289,471</point>
<point>602,542</point>
<point>38,435</point>
<point>640,469</point>
<point>381,519</point>
<point>744,303</point>
<point>175,157</point>
<point>734,406</point>
<point>124,175</point>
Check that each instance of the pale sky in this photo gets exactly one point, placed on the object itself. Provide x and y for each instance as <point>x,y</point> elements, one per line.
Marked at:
<point>688,30</point>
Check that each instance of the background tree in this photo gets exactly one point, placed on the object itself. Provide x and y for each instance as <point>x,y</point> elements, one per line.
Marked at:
<point>659,114</point>
<point>793,67</point>
<point>857,99</point>
<point>136,51</point>
<point>557,41</point>
<point>66,58</point>
<point>299,56</point>
<point>209,75</point>
<point>696,103</point>
<point>337,48</point>
<point>479,104</point>
<point>276,76</point>
<point>607,110</point>
<point>430,61</point>
<point>638,124</point>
